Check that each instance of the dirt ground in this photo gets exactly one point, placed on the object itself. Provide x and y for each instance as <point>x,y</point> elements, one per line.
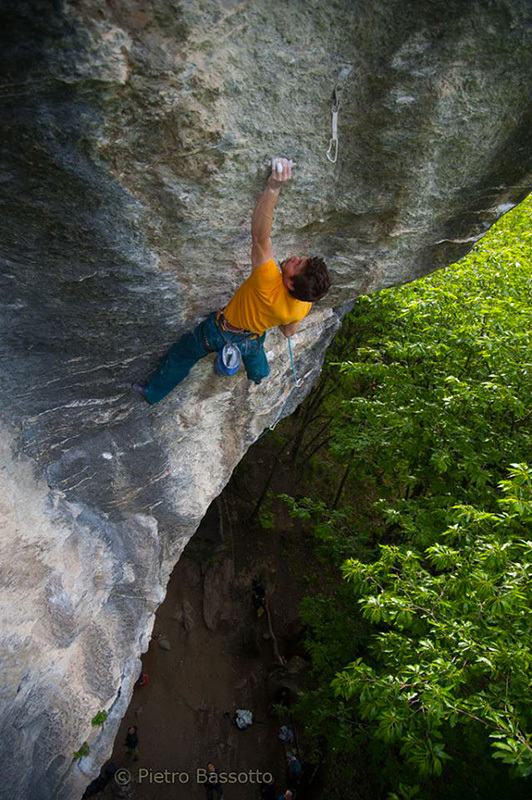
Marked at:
<point>221,655</point>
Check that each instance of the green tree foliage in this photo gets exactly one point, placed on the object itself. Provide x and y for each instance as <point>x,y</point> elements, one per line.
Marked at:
<point>84,750</point>
<point>99,718</point>
<point>454,640</point>
<point>424,655</point>
<point>441,386</point>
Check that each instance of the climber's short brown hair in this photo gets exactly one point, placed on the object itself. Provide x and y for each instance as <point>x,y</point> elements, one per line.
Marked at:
<point>313,282</point>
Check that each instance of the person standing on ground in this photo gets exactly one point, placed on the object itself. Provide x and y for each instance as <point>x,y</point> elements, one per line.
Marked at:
<point>267,789</point>
<point>294,770</point>
<point>286,795</point>
<point>270,297</point>
<point>213,785</point>
<point>132,742</point>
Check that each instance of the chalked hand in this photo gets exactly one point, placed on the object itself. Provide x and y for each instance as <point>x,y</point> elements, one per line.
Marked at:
<point>281,171</point>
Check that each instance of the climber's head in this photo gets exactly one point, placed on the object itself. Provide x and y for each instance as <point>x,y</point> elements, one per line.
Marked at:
<point>306,278</point>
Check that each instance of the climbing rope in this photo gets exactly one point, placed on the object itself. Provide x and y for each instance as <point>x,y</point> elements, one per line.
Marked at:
<point>298,383</point>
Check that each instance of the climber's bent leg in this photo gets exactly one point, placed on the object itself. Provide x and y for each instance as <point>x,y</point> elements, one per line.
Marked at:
<point>190,348</point>
<point>175,367</point>
<point>255,360</point>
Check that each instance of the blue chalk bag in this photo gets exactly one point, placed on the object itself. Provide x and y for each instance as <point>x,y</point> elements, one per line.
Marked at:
<point>228,360</point>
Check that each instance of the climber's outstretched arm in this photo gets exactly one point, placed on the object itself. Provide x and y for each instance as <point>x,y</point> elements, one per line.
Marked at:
<point>262,220</point>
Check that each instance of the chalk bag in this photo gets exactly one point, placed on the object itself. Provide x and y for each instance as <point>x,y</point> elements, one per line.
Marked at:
<point>228,360</point>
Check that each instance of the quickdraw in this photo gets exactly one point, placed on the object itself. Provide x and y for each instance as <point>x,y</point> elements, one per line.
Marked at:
<point>332,152</point>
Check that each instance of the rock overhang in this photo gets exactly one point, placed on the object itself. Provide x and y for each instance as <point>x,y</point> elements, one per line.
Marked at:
<point>136,139</point>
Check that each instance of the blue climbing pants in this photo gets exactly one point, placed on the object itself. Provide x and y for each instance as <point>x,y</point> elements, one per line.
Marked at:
<point>207,337</point>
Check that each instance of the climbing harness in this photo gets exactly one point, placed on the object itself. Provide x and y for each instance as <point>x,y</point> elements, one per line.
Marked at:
<point>298,383</point>
<point>228,360</point>
<point>332,152</point>
<point>224,325</point>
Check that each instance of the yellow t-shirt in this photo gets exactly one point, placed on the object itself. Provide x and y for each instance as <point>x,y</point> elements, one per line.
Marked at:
<point>263,301</point>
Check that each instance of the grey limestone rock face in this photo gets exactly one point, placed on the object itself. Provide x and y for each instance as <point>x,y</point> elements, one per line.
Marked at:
<point>135,140</point>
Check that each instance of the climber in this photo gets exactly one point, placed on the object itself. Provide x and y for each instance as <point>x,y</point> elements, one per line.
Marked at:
<point>268,298</point>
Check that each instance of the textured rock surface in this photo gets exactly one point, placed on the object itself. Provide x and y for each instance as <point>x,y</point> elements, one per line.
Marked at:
<point>135,138</point>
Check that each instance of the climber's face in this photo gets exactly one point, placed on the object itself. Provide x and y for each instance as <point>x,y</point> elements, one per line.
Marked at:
<point>290,267</point>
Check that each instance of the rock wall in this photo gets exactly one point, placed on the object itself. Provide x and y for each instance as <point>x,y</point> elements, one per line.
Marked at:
<point>135,139</point>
